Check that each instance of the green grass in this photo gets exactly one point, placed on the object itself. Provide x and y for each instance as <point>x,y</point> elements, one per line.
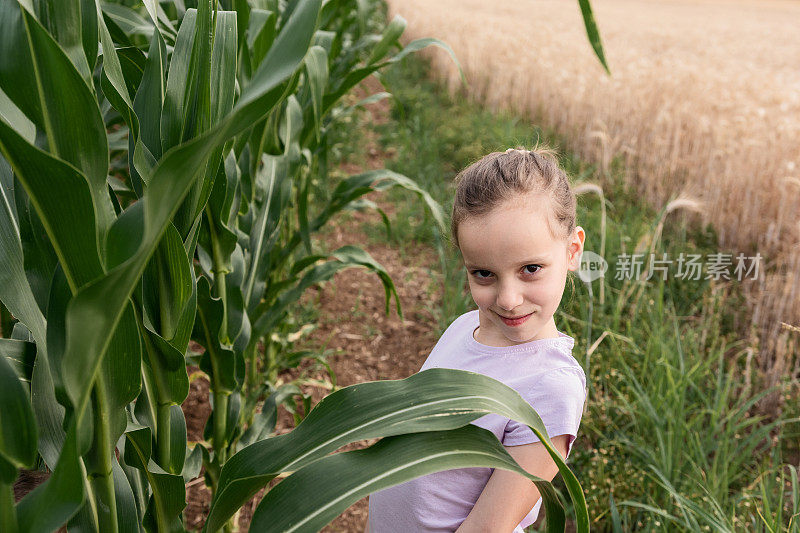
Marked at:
<point>670,435</point>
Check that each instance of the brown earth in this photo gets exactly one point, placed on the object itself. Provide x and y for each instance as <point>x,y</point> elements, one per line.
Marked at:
<point>367,344</point>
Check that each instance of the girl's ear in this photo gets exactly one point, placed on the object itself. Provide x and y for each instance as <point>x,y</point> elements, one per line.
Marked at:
<point>575,248</point>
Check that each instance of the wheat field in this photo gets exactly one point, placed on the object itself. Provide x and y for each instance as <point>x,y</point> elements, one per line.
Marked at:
<point>703,102</point>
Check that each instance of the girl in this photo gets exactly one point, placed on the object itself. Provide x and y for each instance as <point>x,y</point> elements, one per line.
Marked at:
<point>513,221</point>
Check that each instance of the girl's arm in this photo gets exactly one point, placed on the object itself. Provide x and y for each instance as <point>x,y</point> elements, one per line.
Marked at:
<point>508,496</point>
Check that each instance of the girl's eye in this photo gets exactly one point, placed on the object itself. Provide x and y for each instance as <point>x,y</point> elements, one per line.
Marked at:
<point>536,268</point>
<point>481,274</point>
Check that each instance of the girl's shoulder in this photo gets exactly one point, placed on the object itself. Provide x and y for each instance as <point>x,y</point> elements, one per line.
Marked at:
<point>460,326</point>
<point>451,341</point>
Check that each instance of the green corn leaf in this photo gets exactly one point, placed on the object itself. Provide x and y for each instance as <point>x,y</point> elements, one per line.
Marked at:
<point>129,21</point>
<point>317,70</point>
<point>195,102</point>
<point>158,16</point>
<point>364,203</point>
<point>218,237</point>
<point>363,9</point>
<point>198,111</point>
<point>15,290</point>
<point>592,32</point>
<point>117,34</point>
<point>179,86</point>
<point>353,255</point>
<point>39,256</point>
<point>12,114</point>
<point>8,514</point>
<point>65,24</point>
<point>127,513</point>
<point>72,121</point>
<point>331,484</point>
<point>269,313</point>
<point>238,326</point>
<point>121,371</point>
<point>18,433</point>
<point>224,366</point>
<point>435,399</point>
<point>305,262</point>
<point>333,10</point>
<point>62,495</point>
<point>152,10</point>
<point>220,99</point>
<point>352,188</point>
<point>17,78</point>
<point>264,421</point>
<point>389,38</point>
<point>167,286</point>
<point>63,201</point>
<point>325,40</point>
<point>168,497</point>
<point>168,362</point>
<point>354,77</point>
<point>243,10</point>
<point>147,106</point>
<point>49,412</point>
<point>193,462</point>
<point>280,63</point>
<point>117,86</point>
<point>132,61</point>
<point>20,354</point>
<point>273,192</point>
<point>168,309</point>
<point>177,458</point>
<point>223,64</point>
<point>89,30</point>
<point>291,125</point>
<point>261,32</point>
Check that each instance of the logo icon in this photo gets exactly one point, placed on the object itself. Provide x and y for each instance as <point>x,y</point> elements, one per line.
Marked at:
<point>593,267</point>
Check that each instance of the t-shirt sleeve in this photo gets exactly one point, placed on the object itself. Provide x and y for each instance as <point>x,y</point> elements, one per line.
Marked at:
<point>558,397</point>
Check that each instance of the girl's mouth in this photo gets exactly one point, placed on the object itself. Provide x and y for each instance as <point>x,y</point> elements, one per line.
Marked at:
<point>514,321</point>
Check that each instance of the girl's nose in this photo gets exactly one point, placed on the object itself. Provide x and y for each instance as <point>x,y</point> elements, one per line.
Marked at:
<point>508,297</point>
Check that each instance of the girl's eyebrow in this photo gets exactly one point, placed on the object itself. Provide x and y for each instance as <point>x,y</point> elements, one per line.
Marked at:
<point>522,264</point>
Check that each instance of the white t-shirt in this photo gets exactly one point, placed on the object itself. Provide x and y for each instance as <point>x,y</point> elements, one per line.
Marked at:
<point>543,372</point>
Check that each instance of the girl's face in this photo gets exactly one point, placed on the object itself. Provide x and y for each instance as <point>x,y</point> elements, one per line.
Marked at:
<point>517,270</point>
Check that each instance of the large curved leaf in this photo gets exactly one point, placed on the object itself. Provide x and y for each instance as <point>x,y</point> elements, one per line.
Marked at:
<point>332,484</point>
<point>434,399</point>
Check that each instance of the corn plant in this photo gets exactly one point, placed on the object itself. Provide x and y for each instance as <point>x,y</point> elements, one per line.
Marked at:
<point>150,159</point>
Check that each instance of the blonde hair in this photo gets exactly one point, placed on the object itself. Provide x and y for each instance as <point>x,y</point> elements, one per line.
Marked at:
<point>502,176</point>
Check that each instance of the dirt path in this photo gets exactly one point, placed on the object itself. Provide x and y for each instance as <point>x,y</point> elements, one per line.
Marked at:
<point>370,346</point>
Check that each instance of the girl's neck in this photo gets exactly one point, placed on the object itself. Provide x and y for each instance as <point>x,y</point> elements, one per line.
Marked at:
<point>548,331</point>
